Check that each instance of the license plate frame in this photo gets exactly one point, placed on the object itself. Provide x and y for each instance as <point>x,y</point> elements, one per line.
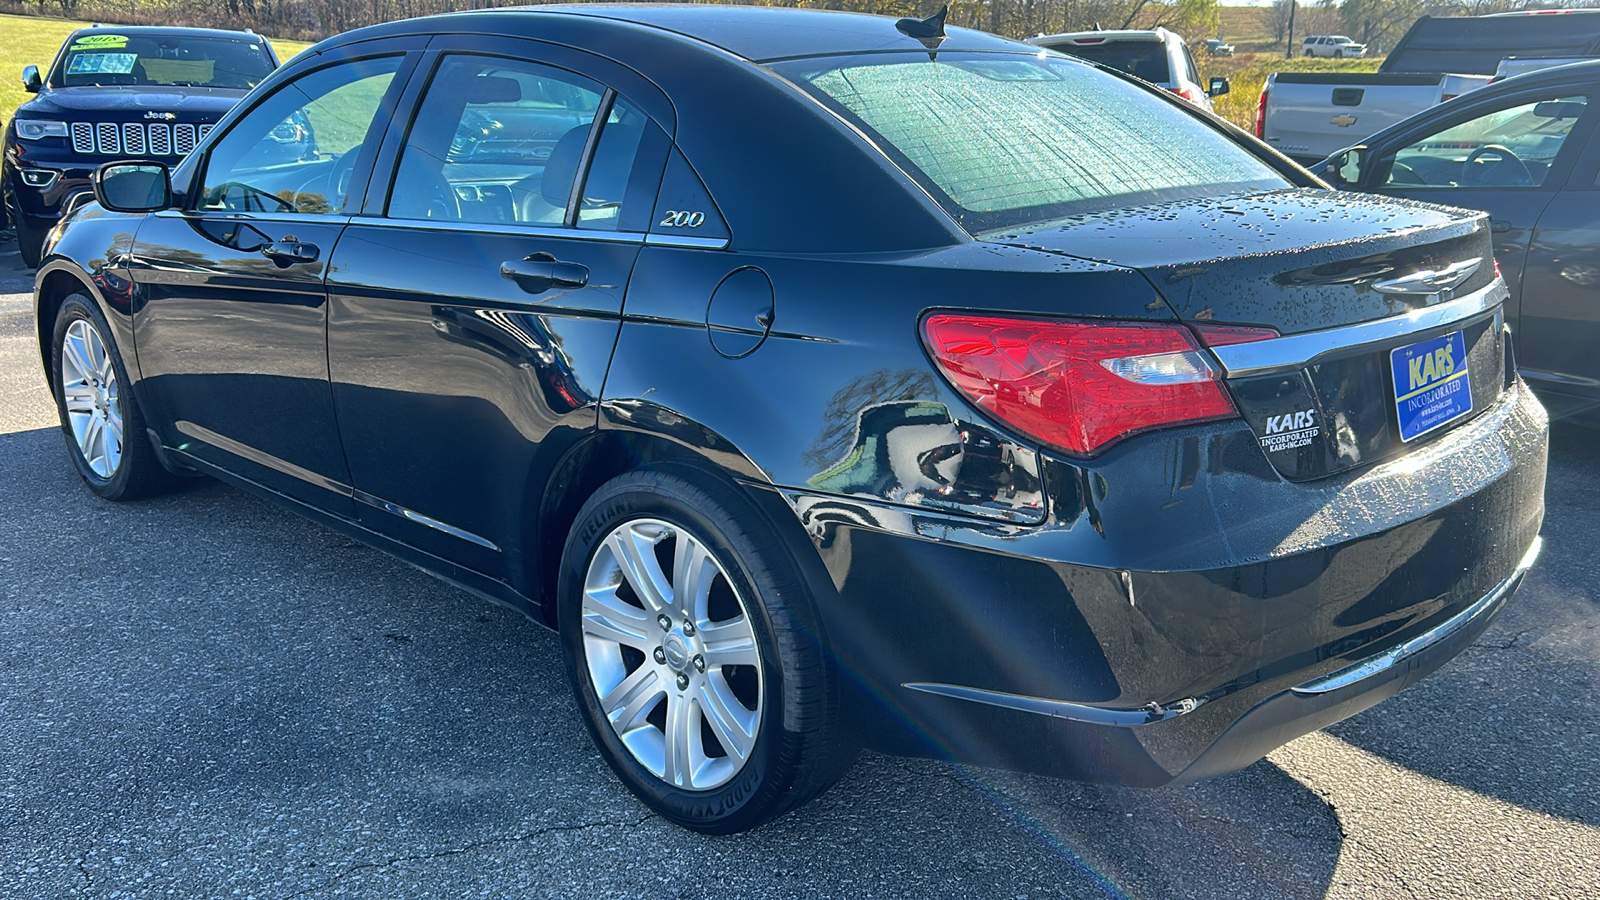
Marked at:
<point>1431,384</point>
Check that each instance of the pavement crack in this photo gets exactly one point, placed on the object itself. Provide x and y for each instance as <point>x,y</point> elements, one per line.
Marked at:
<point>466,848</point>
<point>88,880</point>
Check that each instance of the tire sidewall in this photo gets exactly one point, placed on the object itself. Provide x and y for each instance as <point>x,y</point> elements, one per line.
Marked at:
<point>730,807</point>
<point>73,308</point>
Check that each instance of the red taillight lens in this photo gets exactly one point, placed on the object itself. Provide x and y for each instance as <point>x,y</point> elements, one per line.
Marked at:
<point>1261,115</point>
<point>1078,385</point>
<point>1223,335</point>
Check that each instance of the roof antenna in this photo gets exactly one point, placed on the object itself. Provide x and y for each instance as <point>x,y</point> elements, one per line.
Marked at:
<point>929,31</point>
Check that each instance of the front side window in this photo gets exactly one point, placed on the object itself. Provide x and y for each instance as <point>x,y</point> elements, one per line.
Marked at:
<point>294,153</point>
<point>158,61</point>
<point>1510,147</point>
<point>504,141</point>
<point>1002,141</point>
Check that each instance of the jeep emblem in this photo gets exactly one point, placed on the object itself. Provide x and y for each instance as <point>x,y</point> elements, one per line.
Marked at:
<point>165,116</point>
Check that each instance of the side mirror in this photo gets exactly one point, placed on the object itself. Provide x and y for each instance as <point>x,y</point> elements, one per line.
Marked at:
<point>1343,169</point>
<point>133,187</point>
<point>1218,87</point>
<point>31,82</point>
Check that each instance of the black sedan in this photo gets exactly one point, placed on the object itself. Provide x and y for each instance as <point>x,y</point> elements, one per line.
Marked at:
<point>826,381</point>
<point>1526,151</point>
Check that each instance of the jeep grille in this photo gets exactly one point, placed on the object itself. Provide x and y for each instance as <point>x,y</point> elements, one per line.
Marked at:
<point>135,138</point>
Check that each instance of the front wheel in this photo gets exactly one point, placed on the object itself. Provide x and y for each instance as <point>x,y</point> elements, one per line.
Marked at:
<point>100,419</point>
<point>693,651</point>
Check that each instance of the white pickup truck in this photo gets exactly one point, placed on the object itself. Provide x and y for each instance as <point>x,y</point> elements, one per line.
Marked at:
<point>1308,115</point>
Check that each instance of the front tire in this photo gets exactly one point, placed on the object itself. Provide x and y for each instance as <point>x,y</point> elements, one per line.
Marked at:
<point>100,419</point>
<point>692,647</point>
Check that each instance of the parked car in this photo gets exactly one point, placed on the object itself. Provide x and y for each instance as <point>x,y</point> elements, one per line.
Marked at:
<point>1158,56</point>
<point>118,93</point>
<point>1308,115</point>
<point>971,401</point>
<point>1333,46</point>
<point>1525,151</point>
<point>1218,47</point>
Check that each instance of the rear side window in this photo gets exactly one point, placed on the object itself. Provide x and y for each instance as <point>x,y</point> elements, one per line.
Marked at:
<point>1141,59</point>
<point>1002,141</point>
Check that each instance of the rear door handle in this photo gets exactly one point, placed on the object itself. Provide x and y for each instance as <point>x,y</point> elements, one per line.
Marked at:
<point>539,272</point>
<point>1499,226</point>
<point>289,251</point>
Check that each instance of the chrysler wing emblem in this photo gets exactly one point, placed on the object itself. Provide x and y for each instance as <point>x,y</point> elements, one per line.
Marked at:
<point>164,116</point>
<point>1343,120</point>
<point>1430,281</point>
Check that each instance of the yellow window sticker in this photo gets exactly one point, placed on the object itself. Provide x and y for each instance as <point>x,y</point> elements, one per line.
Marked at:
<point>99,42</point>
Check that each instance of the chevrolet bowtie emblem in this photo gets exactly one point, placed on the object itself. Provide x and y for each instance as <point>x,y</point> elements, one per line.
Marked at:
<point>1429,281</point>
<point>1343,120</point>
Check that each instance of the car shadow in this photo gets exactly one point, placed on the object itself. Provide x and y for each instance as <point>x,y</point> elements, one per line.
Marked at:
<point>1511,717</point>
<point>229,688</point>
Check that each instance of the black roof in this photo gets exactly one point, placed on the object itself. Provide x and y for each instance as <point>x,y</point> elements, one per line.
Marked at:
<point>167,31</point>
<point>764,33</point>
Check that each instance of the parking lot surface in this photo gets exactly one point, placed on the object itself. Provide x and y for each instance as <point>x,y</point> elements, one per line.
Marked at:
<point>203,695</point>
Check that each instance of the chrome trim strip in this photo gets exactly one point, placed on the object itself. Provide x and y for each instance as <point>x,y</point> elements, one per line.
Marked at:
<point>1392,657</point>
<point>267,460</point>
<point>420,519</point>
<point>687,242</point>
<point>509,228</point>
<point>1298,350</point>
<point>1062,709</point>
<point>230,216</point>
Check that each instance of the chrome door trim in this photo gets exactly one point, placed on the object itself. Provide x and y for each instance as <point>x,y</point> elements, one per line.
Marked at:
<point>508,228</point>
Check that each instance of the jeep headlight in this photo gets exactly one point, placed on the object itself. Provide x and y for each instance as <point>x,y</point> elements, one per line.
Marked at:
<point>34,129</point>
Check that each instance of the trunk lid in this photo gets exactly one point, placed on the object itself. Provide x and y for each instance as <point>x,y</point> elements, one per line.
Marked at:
<point>1360,288</point>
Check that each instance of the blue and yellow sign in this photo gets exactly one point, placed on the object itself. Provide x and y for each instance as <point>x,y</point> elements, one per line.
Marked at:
<point>1431,387</point>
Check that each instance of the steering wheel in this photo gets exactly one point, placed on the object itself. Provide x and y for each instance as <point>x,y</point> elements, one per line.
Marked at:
<point>335,181</point>
<point>1469,171</point>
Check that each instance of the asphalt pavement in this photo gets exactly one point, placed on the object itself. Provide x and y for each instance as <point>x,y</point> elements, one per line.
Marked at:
<point>203,695</point>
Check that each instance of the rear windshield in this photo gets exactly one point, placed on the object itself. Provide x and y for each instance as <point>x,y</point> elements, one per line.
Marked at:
<point>1003,140</point>
<point>174,61</point>
<point>1142,59</point>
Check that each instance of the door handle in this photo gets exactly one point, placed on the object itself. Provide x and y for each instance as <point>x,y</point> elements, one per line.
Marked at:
<point>289,251</point>
<point>1499,226</point>
<point>539,272</point>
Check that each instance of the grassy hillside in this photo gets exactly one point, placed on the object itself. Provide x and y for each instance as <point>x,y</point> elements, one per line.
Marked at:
<point>26,40</point>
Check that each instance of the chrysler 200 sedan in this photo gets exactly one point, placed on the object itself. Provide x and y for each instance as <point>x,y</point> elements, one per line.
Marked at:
<point>826,381</point>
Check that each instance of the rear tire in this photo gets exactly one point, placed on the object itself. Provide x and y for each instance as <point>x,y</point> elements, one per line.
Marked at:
<point>100,418</point>
<point>692,646</point>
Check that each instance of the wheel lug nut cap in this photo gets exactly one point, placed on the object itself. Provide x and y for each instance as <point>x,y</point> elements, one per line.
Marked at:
<point>688,629</point>
<point>683,681</point>
<point>664,622</point>
<point>661,656</point>
<point>699,662</point>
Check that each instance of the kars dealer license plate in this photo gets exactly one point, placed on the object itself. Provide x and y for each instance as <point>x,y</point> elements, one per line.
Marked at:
<point>1431,387</point>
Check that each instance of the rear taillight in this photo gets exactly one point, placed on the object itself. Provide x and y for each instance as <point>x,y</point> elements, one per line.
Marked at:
<point>1189,94</point>
<point>1223,335</point>
<point>1078,385</point>
<point>1261,115</point>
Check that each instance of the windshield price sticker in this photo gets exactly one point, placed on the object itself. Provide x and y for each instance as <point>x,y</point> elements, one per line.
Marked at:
<point>102,63</point>
<point>1431,387</point>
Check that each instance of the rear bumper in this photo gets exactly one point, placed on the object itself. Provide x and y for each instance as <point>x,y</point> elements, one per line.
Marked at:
<point>1175,630</point>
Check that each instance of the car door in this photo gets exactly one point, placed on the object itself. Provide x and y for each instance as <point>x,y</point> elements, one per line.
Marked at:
<point>1559,344</point>
<point>476,300</point>
<point>1507,155</point>
<point>230,327</point>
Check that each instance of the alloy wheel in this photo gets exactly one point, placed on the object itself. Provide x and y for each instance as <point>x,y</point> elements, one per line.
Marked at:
<point>89,393</point>
<point>671,654</point>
